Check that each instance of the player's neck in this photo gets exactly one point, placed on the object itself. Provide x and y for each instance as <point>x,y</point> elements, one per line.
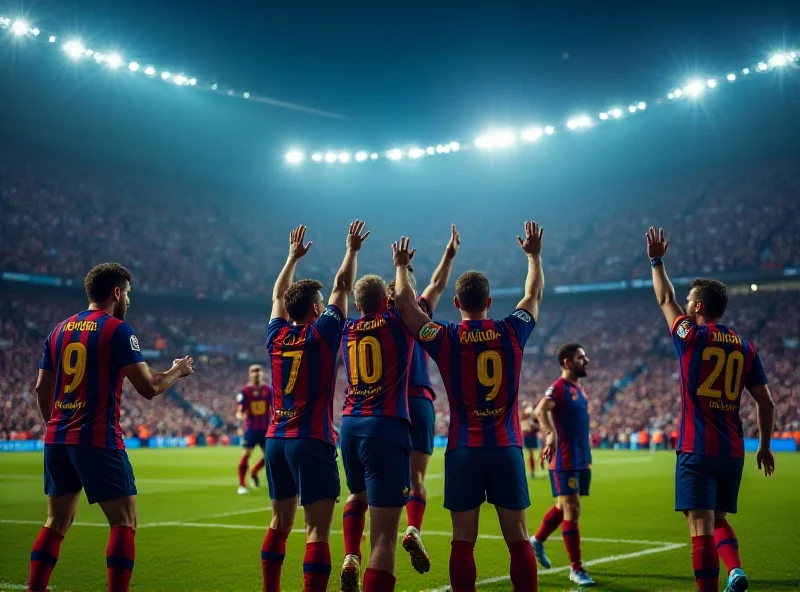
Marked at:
<point>255,384</point>
<point>108,309</point>
<point>701,320</point>
<point>569,378</point>
<point>473,316</point>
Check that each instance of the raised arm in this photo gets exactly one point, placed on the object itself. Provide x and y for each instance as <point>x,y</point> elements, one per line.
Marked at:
<point>404,298</point>
<point>297,250</point>
<point>151,384</point>
<point>665,292</point>
<point>441,274</point>
<point>534,282</point>
<point>346,276</point>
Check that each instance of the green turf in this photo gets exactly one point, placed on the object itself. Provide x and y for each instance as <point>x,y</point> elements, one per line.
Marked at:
<point>632,496</point>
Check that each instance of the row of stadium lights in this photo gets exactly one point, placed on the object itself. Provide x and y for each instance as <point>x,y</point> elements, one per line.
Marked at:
<point>508,138</point>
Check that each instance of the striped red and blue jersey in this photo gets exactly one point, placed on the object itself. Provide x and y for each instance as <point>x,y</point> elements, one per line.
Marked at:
<point>303,362</point>
<point>419,378</point>
<point>377,351</point>
<point>87,353</point>
<point>480,363</point>
<point>716,364</point>
<point>256,404</point>
<point>571,420</point>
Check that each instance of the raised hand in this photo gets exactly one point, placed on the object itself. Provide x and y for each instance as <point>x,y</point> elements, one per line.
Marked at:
<point>297,248</point>
<point>532,243</point>
<point>356,235</point>
<point>765,458</point>
<point>185,365</point>
<point>402,252</point>
<point>656,245</point>
<point>454,244</point>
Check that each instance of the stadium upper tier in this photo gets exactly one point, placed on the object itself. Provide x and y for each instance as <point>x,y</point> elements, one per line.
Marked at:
<point>58,221</point>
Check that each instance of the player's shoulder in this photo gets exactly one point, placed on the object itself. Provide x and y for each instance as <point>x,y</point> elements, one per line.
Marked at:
<point>557,386</point>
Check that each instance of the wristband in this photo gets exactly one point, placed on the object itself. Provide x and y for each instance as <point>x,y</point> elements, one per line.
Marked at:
<point>656,262</point>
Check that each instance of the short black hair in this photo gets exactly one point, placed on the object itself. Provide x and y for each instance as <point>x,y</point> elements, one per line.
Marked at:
<point>567,352</point>
<point>370,294</point>
<point>713,295</point>
<point>299,298</point>
<point>103,278</point>
<point>472,290</point>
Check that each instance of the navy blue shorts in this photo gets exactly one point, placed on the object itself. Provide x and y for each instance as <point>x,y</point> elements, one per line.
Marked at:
<point>381,468</point>
<point>302,466</point>
<point>570,482</point>
<point>423,421</point>
<point>104,473</point>
<point>707,482</point>
<point>253,438</point>
<point>530,441</point>
<point>475,475</point>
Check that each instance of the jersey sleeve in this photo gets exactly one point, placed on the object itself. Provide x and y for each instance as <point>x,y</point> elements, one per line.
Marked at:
<point>522,323</point>
<point>684,331</point>
<point>330,324</point>
<point>275,325</point>
<point>432,337</point>
<point>425,306</point>
<point>555,393</point>
<point>46,363</point>
<point>125,346</point>
<point>756,376</point>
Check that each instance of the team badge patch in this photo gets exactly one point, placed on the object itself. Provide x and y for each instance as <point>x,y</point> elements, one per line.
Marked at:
<point>429,332</point>
<point>572,482</point>
<point>135,343</point>
<point>522,315</point>
<point>332,313</point>
<point>683,329</point>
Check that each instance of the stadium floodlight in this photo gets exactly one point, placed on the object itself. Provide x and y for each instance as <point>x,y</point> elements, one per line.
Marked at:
<point>214,86</point>
<point>496,139</point>
<point>632,109</point>
<point>415,152</point>
<point>616,113</point>
<point>394,154</point>
<point>74,49</point>
<point>731,77</point>
<point>641,105</point>
<point>294,157</point>
<point>330,157</point>
<point>779,59</point>
<point>455,146</point>
<point>532,134</point>
<point>114,61</point>
<point>793,55</point>
<point>373,156</point>
<point>246,95</point>
<point>762,66</point>
<point>439,149</point>
<point>754,287</point>
<point>35,32</point>
<point>678,93</point>
<point>694,88</point>
<point>166,76</point>
<point>344,157</point>
<point>52,39</point>
<point>20,28</point>
<point>549,130</point>
<point>361,156</point>
<point>483,142</point>
<point>603,116</point>
<point>430,150</point>
<point>711,83</point>
<point>133,66</point>
<point>316,157</point>
<point>192,81</point>
<point>671,96</point>
<point>745,71</point>
<point>180,80</point>
<point>150,71</point>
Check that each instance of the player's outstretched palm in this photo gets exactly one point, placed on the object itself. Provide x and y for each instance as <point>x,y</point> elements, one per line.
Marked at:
<point>402,252</point>
<point>185,365</point>
<point>532,243</point>
<point>764,458</point>
<point>454,244</point>
<point>297,247</point>
<point>656,244</point>
<point>356,236</point>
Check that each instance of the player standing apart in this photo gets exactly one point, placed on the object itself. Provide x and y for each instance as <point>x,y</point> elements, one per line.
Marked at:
<point>563,414</point>
<point>78,391</point>
<point>480,361</point>
<point>715,364</point>
<point>303,340</point>
<point>254,406</point>
<point>530,436</point>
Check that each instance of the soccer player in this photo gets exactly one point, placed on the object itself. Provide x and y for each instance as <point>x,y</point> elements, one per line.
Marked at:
<point>78,391</point>
<point>715,365</point>
<point>530,438</point>
<point>563,414</point>
<point>303,340</point>
<point>254,406</point>
<point>420,407</point>
<point>480,362</point>
<point>375,433</point>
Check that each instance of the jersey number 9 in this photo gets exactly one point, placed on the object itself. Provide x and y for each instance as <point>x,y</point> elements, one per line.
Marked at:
<point>490,372</point>
<point>74,365</point>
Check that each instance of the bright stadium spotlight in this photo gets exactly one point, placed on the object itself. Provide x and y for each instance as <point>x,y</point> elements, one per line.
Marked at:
<point>483,142</point>
<point>214,86</point>
<point>52,39</point>
<point>150,71</point>
<point>394,154</point>
<point>74,49</point>
<point>694,88</point>
<point>754,287</point>
<point>671,96</point>
<point>344,157</point>
<point>373,156</point>
<point>603,116</point>
<point>180,80</point>
<point>330,157</point>
<point>35,32</point>
<point>779,59</point>
<point>114,61</point>
<point>616,113</point>
<point>632,109</point>
<point>455,146</point>
<point>294,157</point>
<point>133,66</point>
<point>415,152</point>
<point>711,83</point>
<point>504,138</point>
<point>165,76</point>
<point>20,28</point>
<point>246,95</point>
<point>549,130</point>
<point>532,134</point>
<point>361,156</point>
<point>430,150</point>
<point>641,105</point>
<point>762,66</point>
<point>678,93</point>
<point>439,149</point>
<point>192,81</point>
<point>316,157</point>
<point>745,71</point>
<point>731,77</point>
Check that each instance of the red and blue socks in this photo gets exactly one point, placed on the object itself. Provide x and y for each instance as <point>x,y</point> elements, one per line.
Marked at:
<point>551,521</point>
<point>120,556</point>
<point>242,471</point>
<point>523,566</point>
<point>463,572</point>
<point>353,527</point>
<point>316,567</point>
<point>705,562</point>
<point>415,509</point>
<point>273,552</point>
<point>44,556</point>
<point>572,541</point>
<point>376,580</point>
<point>727,545</point>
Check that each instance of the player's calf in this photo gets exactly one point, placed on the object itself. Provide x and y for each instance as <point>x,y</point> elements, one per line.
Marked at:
<point>121,548</point>
<point>384,523</point>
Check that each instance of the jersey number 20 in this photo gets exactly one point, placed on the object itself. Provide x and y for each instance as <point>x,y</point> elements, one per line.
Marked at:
<point>732,363</point>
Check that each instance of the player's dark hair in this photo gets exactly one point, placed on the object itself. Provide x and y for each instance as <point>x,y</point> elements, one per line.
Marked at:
<point>370,294</point>
<point>567,352</point>
<point>299,298</point>
<point>102,279</point>
<point>472,290</point>
<point>713,295</point>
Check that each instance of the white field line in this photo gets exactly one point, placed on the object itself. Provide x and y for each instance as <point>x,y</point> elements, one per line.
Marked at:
<point>611,558</point>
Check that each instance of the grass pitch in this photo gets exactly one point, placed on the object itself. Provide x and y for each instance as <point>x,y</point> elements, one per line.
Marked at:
<point>196,534</point>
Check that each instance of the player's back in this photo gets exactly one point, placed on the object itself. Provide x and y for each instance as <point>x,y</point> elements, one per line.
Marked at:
<point>377,352</point>
<point>86,353</point>
<point>716,365</point>
<point>256,400</point>
<point>480,364</point>
<point>303,361</point>
<point>419,377</point>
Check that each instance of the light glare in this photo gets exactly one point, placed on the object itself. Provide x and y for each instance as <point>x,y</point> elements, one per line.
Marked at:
<point>344,157</point>
<point>616,113</point>
<point>455,146</point>
<point>114,60</point>
<point>603,116</point>
<point>711,83</point>
<point>150,71</point>
<point>731,77</point>
<point>532,134</point>
<point>361,156</point>
<point>330,157</point>
<point>165,76</point>
<point>373,156</point>
<point>694,88</point>
<point>20,28</point>
<point>549,130</point>
<point>52,39</point>
<point>394,154</point>
<point>778,60</point>
<point>642,105</point>
<point>762,66</point>
<point>316,157</point>
<point>415,153</point>
<point>133,67</point>
<point>74,49</point>
<point>294,157</point>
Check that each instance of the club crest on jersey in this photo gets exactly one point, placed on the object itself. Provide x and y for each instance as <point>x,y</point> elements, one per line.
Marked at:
<point>135,343</point>
<point>522,315</point>
<point>683,329</point>
<point>429,331</point>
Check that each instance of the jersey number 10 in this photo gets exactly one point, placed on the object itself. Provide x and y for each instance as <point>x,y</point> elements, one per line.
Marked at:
<point>732,363</point>
<point>365,360</point>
